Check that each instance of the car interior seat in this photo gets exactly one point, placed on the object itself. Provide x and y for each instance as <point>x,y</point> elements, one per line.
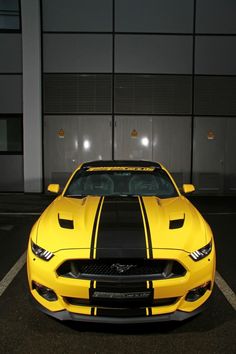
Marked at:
<point>99,185</point>
<point>143,184</point>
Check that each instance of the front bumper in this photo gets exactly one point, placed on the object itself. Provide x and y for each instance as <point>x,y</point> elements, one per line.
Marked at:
<point>44,273</point>
<point>65,315</point>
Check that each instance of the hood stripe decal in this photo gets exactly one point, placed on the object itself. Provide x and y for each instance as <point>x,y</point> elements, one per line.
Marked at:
<point>121,232</point>
<point>149,238</point>
<point>95,227</point>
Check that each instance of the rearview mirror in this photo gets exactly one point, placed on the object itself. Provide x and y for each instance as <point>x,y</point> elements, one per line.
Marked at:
<point>188,188</point>
<point>54,188</point>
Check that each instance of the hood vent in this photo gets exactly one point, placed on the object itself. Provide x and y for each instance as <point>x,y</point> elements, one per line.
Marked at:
<point>176,224</point>
<point>65,223</point>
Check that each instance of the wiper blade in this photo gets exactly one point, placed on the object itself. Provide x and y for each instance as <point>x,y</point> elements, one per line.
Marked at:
<point>100,195</point>
<point>75,195</point>
<point>121,195</point>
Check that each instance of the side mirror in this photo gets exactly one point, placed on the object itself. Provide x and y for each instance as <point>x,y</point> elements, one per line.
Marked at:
<point>188,188</point>
<point>54,188</point>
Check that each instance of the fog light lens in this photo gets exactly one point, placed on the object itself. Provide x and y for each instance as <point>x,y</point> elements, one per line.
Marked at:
<point>196,293</point>
<point>45,292</point>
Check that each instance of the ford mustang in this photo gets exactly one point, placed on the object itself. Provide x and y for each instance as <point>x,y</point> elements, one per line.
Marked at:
<point>121,244</point>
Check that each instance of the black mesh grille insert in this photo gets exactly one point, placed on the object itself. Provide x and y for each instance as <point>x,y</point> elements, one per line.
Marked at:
<point>215,95</point>
<point>153,94</point>
<point>121,269</point>
<point>77,93</point>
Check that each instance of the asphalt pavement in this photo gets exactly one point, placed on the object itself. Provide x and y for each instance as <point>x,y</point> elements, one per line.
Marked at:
<point>25,330</point>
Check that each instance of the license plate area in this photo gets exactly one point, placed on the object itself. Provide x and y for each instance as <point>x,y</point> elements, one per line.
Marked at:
<point>122,299</point>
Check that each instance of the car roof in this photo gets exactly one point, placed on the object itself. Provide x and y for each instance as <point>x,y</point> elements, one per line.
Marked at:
<point>114,163</point>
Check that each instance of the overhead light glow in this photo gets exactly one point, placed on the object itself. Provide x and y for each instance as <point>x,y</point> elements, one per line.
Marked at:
<point>76,144</point>
<point>86,144</point>
<point>145,141</point>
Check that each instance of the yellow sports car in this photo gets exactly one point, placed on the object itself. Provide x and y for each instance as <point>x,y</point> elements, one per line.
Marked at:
<point>121,244</point>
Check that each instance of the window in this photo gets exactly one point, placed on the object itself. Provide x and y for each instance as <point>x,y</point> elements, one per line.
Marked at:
<point>121,183</point>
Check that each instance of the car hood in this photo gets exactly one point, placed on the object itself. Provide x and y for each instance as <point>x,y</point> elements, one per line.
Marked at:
<point>121,226</point>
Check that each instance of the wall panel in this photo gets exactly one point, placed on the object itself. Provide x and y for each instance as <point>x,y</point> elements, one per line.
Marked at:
<point>71,53</point>
<point>215,16</point>
<point>215,55</point>
<point>172,145</point>
<point>75,93</point>
<point>133,138</point>
<point>153,54</point>
<point>153,94</point>
<point>215,95</point>
<point>230,153</point>
<point>11,53</point>
<point>11,94</point>
<point>154,16</point>
<point>77,15</point>
<point>11,176</point>
<point>70,140</point>
<point>208,154</point>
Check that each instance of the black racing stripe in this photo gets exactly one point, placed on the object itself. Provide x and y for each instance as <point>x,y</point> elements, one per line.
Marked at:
<point>121,230</point>
<point>90,296</point>
<point>150,287</point>
<point>147,228</point>
<point>94,229</point>
<point>91,285</point>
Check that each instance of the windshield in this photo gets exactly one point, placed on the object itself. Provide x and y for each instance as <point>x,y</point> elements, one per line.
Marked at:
<point>121,183</point>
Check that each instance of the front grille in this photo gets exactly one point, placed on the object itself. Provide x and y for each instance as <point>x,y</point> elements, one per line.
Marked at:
<point>121,269</point>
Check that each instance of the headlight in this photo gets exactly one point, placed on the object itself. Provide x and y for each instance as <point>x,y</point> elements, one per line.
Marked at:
<point>202,252</point>
<point>41,252</point>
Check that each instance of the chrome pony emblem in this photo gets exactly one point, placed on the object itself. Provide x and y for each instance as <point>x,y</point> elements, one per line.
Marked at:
<point>122,268</point>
